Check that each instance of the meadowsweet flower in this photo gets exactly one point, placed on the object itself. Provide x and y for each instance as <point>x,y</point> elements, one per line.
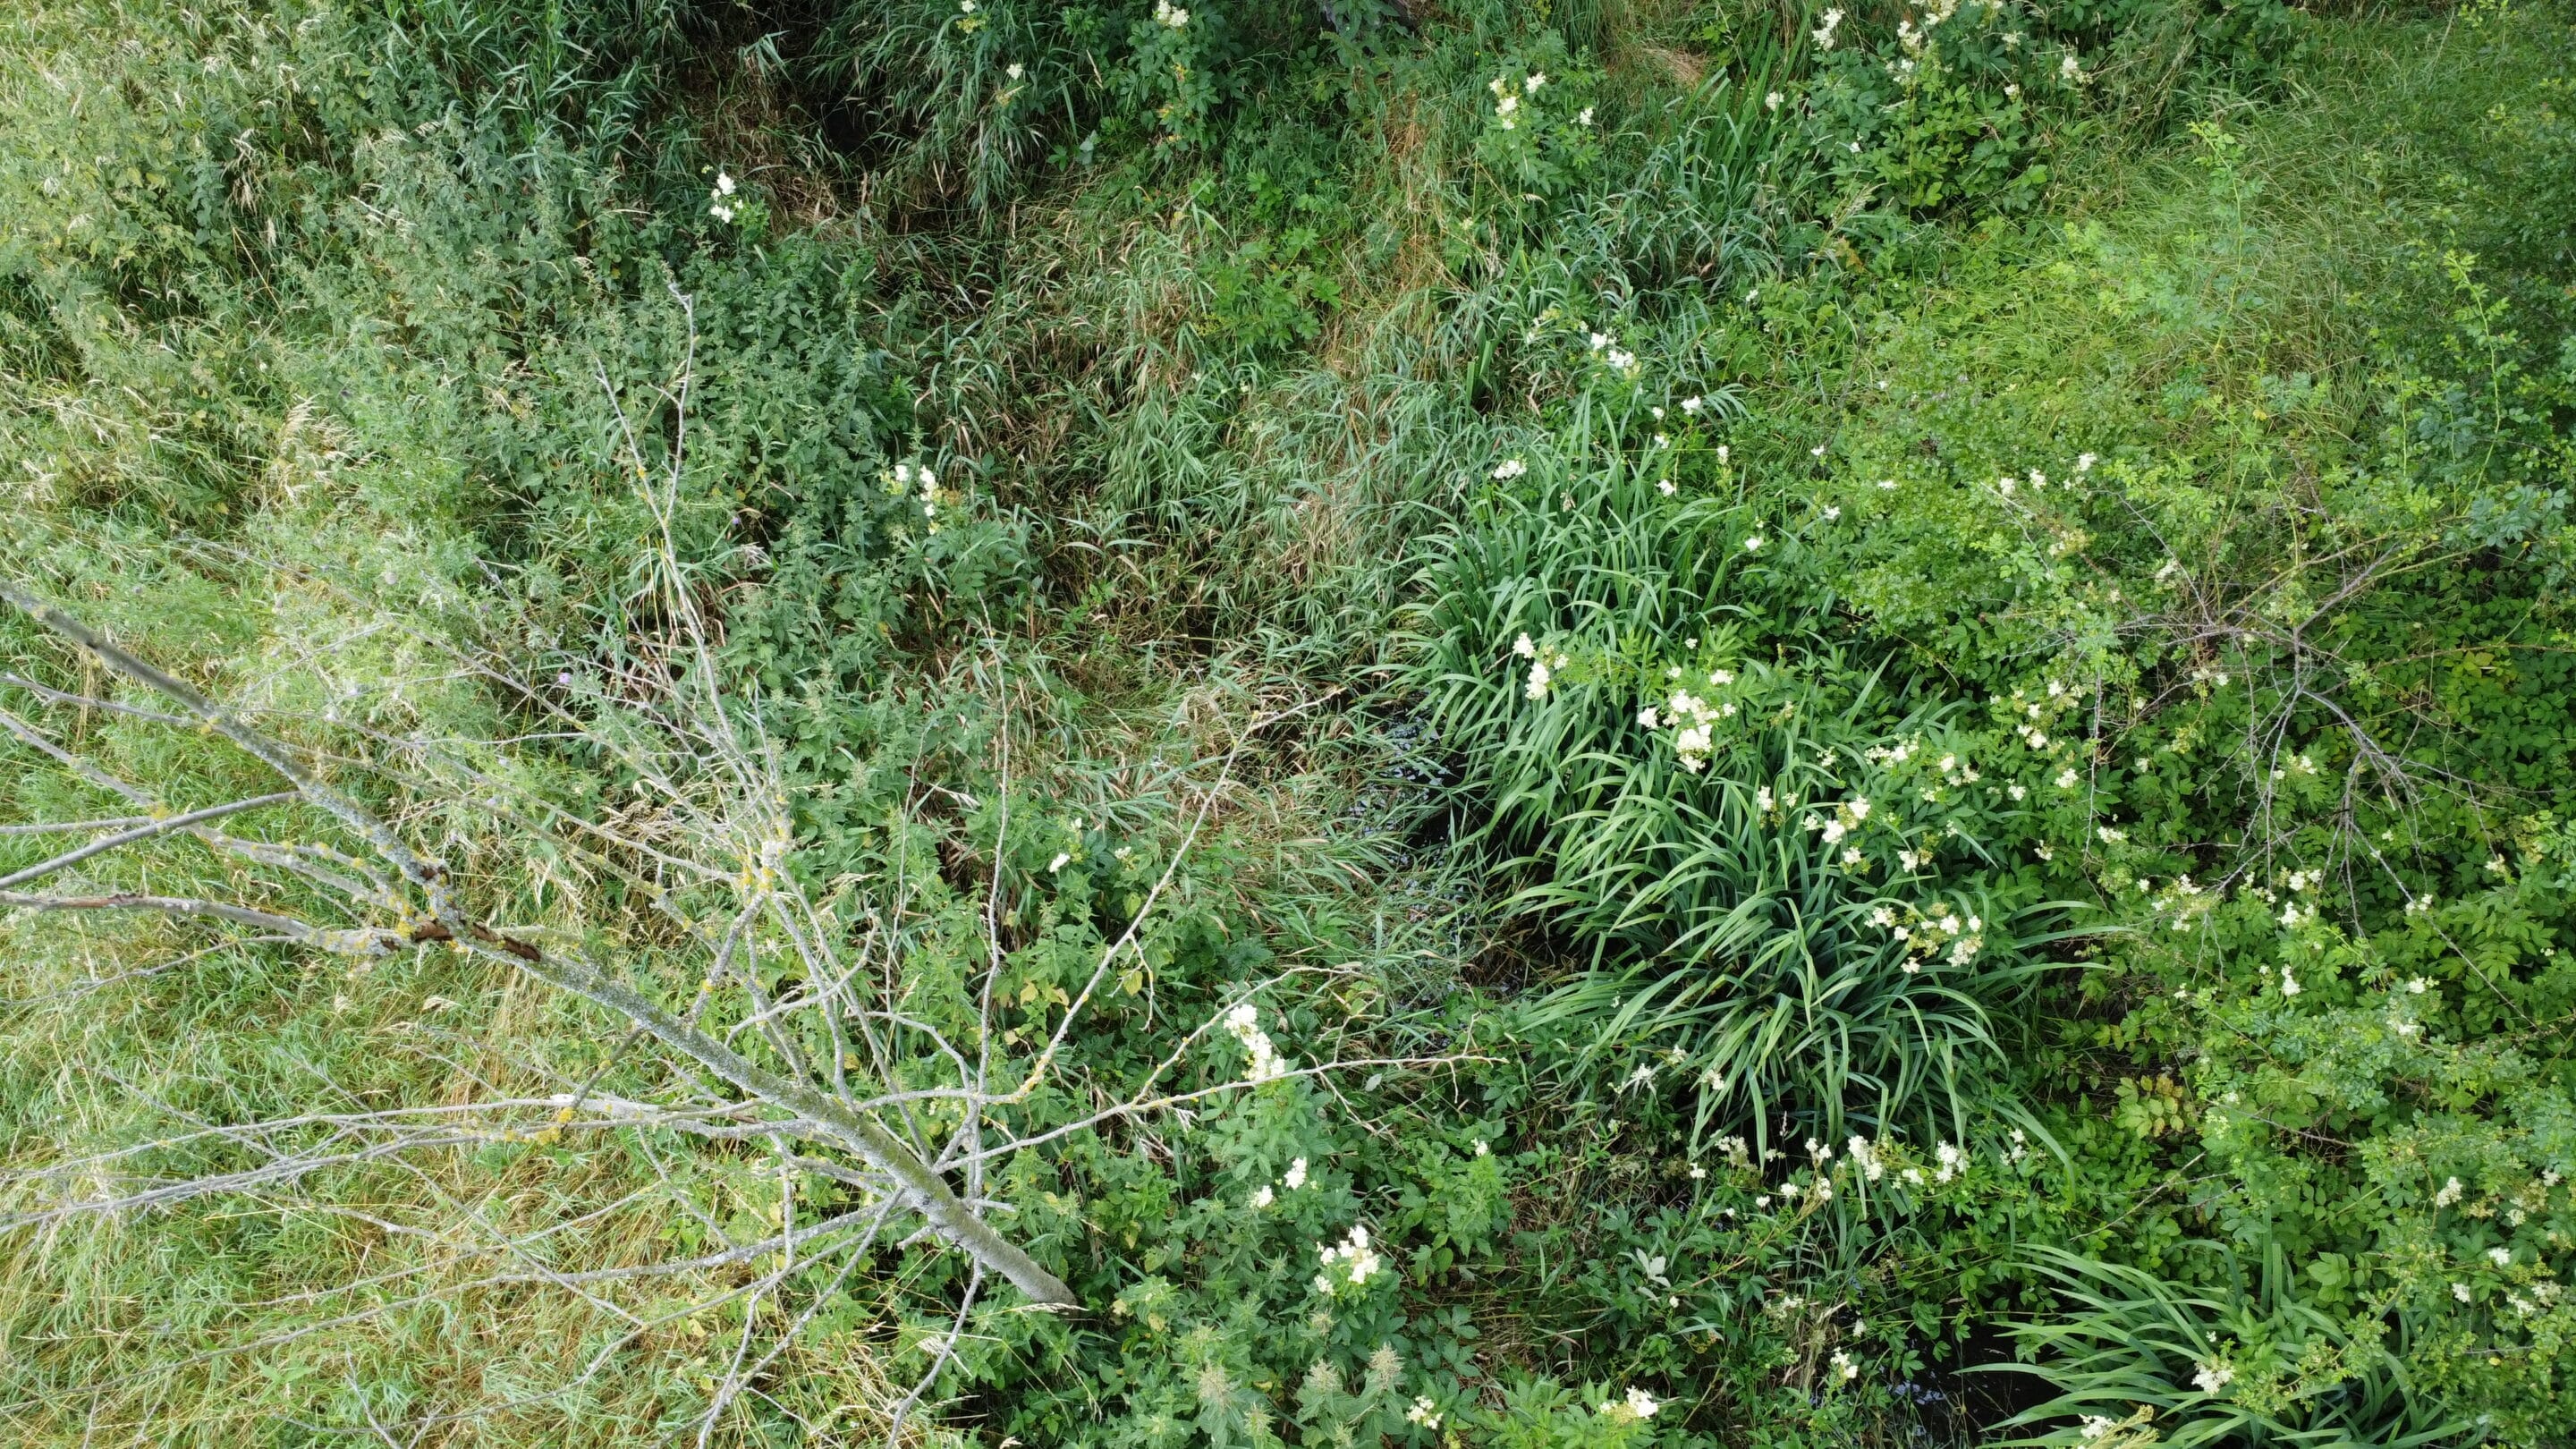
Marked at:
<point>1844,1369</point>
<point>1529,87</point>
<point>1648,718</point>
<point>1763,800</point>
<point>2095,1426</point>
<point>2449,1194</point>
<point>1503,112</point>
<point>1832,512</point>
<point>1262,1197</point>
<point>1693,404</point>
<point>2460,1291</point>
<point>1583,117</point>
<point>1825,33</point>
<point>1359,1261</point>
<point>1641,1403</point>
<point>1697,1172</point>
<point>2213,1376</point>
<point>1753,544</point>
<point>2501,1257</point>
<point>2066,778</point>
<point>1167,13</point>
<point>2289,983</point>
<point>1422,1413</point>
<point>1243,1024</point>
<point>1666,487</point>
<point>1015,70</point>
<point>1722,452</point>
<point>1509,469</point>
<point>1952,1162</point>
<point>1539,675</point>
<point>1866,1155</point>
<point>1296,1177</point>
<point>1062,859</point>
<point>2084,463</point>
<point>1771,102</point>
<point>1693,746</point>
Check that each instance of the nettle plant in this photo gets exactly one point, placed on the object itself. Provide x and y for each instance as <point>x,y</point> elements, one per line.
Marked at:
<point>860,1062</point>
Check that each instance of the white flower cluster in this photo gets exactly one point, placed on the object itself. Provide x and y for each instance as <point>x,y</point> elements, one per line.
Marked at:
<point>1543,666</point>
<point>1692,720</point>
<point>1847,818</point>
<point>1824,33</point>
<point>1507,102</point>
<point>1508,469</point>
<point>1244,1025</point>
<point>1360,1262</point>
<point>904,477</point>
<point>1934,930</point>
<point>1844,1369</point>
<point>1606,347</point>
<point>720,201</point>
<point>1423,1413</point>
<point>1864,1155</point>
<point>1169,14</point>
<point>2214,1375</point>
<point>1263,1196</point>
<point>1637,1405</point>
<point>2543,1296</point>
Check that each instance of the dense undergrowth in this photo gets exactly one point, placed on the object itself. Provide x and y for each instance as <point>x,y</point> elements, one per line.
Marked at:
<point>1899,678</point>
